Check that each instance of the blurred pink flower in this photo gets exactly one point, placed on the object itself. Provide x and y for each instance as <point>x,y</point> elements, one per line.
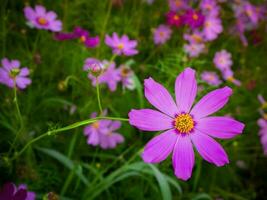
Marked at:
<point>211,78</point>
<point>103,133</point>
<point>162,34</point>
<point>174,19</point>
<point>121,45</point>
<point>42,19</point>
<point>185,126</point>
<point>212,28</point>
<point>228,75</point>
<point>11,75</point>
<point>223,60</point>
<point>11,192</point>
<point>263,134</point>
<point>127,77</point>
<point>193,18</point>
<point>177,5</point>
<point>81,34</point>
<point>194,49</point>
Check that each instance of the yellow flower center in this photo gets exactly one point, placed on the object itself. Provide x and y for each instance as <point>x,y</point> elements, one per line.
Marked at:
<point>184,123</point>
<point>120,46</point>
<point>125,72</point>
<point>197,38</point>
<point>95,125</point>
<point>231,79</point>
<point>14,72</point>
<point>161,34</point>
<point>195,16</point>
<point>178,3</point>
<point>82,38</point>
<point>176,17</point>
<point>42,21</point>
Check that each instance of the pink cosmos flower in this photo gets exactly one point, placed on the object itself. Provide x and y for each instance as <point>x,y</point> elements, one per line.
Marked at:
<point>212,28</point>
<point>121,45</point>
<point>103,133</point>
<point>262,100</point>
<point>223,60</point>
<point>211,78</point>
<point>183,125</point>
<point>162,34</point>
<point>177,5</point>
<point>195,37</point>
<point>110,75</point>
<point>81,34</point>
<point>193,18</point>
<point>263,134</point>
<point>194,49</point>
<point>127,77</point>
<point>11,75</point>
<point>228,75</point>
<point>209,8</point>
<point>42,19</point>
<point>174,19</point>
<point>11,192</point>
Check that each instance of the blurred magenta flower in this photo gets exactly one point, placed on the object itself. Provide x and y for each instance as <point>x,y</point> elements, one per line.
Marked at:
<point>11,75</point>
<point>11,192</point>
<point>193,18</point>
<point>127,77</point>
<point>195,37</point>
<point>177,5</point>
<point>42,19</point>
<point>184,125</point>
<point>223,60</point>
<point>81,34</point>
<point>194,49</point>
<point>174,19</point>
<point>228,75</point>
<point>211,78</point>
<point>103,133</point>
<point>263,134</point>
<point>212,28</point>
<point>121,45</point>
<point>162,34</point>
<point>109,76</point>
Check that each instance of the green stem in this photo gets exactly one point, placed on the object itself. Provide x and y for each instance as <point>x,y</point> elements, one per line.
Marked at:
<point>113,58</point>
<point>19,117</point>
<point>98,96</point>
<point>69,127</point>
<point>197,174</point>
<point>67,182</point>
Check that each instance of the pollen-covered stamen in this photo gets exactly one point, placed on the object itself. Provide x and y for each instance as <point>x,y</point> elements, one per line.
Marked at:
<point>42,21</point>
<point>184,123</point>
<point>120,46</point>
<point>95,125</point>
<point>82,39</point>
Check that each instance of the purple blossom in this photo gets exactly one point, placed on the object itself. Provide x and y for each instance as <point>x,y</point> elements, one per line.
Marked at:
<point>185,125</point>
<point>178,5</point>
<point>103,133</point>
<point>193,18</point>
<point>11,75</point>
<point>223,60</point>
<point>228,75</point>
<point>262,100</point>
<point>110,75</point>
<point>263,134</point>
<point>11,192</point>
<point>81,34</point>
<point>211,78</point>
<point>194,49</point>
<point>212,28</point>
<point>162,34</point>
<point>209,8</point>
<point>42,19</point>
<point>195,37</point>
<point>121,45</point>
<point>127,77</point>
<point>174,19</point>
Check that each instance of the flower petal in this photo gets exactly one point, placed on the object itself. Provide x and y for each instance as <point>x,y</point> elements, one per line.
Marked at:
<point>211,102</point>
<point>220,127</point>
<point>159,97</point>
<point>150,120</point>
<point>158,148</point>
<point>185,89</point>
<point>209,149</point>
<point>183,157</point>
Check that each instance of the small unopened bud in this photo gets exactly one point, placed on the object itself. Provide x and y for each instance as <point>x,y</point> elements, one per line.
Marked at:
<point>96,68</point>
<point>62,86</point>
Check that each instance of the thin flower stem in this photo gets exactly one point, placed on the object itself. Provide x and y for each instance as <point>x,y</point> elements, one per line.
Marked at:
<point>98,96</point>
<point>69,127</point>
<point>113,58</point>
<point>197,174</point>
<point>19,117</point>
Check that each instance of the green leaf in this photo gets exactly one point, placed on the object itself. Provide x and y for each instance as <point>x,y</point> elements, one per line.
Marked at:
<point>66,162</point>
